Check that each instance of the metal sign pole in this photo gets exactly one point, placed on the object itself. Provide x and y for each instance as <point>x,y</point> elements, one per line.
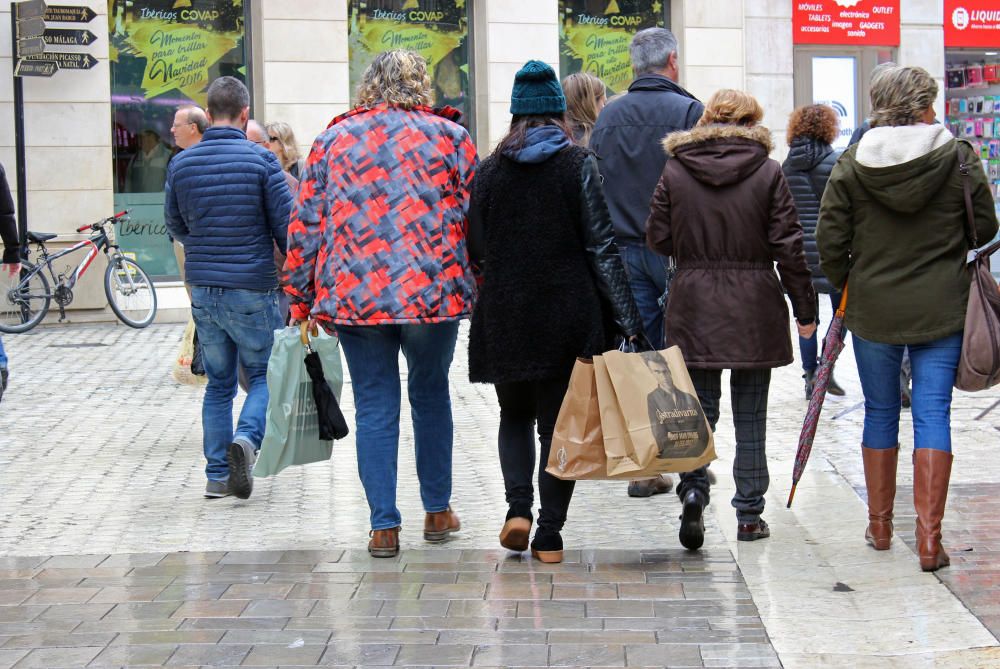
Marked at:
<point>19,162</point>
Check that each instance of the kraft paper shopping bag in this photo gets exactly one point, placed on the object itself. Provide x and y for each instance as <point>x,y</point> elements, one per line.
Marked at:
<point>664,422</point>
<point>577,451</point>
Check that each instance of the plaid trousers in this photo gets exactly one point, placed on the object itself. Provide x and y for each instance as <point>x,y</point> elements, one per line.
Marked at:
<point>749,388</point>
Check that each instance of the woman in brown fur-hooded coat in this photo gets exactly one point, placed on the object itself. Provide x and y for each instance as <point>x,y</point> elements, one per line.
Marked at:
<point>722,209</point>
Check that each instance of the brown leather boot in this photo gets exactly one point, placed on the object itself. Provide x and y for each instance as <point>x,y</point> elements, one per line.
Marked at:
<point>931,472</point>
<point>880,479</point>
<point>438,525</point>
<point>384,543</point>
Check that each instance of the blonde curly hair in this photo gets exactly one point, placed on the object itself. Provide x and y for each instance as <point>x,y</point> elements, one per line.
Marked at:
<point>398,78</point>
<point>901,95</point>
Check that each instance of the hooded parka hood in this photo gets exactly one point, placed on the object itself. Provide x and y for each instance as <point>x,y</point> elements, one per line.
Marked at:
<point>893,225</point>
<point>904,167</point>
<point>720,155</point>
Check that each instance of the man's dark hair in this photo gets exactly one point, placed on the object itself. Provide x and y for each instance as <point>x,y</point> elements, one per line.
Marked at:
<point>227,98</point>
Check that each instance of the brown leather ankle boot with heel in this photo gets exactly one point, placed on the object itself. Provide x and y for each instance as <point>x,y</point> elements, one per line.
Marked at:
<point>439,525</point>
<point>931,473</point>
<point>880,479</point>
<point>384,543</point>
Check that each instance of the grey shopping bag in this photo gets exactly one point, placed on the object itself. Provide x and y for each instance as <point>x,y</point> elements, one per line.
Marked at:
<point>291,434</point>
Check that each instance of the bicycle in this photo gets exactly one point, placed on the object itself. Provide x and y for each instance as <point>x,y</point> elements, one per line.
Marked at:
<point>27,298</point>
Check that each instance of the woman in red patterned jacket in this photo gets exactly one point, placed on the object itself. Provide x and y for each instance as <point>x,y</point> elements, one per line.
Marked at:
<point>377,251</point>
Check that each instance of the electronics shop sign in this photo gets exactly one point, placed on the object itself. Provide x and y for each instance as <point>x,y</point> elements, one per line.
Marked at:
<point>847,22</point>
<point>972,23</point>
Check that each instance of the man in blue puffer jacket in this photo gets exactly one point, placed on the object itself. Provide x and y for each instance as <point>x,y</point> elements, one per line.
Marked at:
<point>227,202</point>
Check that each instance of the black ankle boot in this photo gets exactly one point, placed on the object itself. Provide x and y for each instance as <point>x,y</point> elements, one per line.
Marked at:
<point>692,533</point>
<point>810,378</point>
<point>547,546</point>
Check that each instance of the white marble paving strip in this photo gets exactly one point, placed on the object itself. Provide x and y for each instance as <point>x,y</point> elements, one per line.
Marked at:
<point>828,599</point>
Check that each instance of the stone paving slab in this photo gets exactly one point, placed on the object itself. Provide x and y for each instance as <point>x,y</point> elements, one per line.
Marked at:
<point>440,621</point>
<point>972,538</point>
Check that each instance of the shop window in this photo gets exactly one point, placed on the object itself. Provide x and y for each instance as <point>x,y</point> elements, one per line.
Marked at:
<point>972,108</point>
<point>164,54</point>
<point>436,29</point>
<point>594,36</point>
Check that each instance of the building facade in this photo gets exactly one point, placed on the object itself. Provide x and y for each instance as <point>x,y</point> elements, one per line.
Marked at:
<point>98,139</point>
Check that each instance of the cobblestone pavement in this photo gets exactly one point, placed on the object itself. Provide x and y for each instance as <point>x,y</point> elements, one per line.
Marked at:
<point>101,467</point>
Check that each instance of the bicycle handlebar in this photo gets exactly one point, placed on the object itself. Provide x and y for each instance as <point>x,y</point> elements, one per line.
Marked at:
<point>100,224</point>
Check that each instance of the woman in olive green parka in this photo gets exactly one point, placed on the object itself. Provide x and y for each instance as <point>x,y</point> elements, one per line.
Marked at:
<point>893,226</point>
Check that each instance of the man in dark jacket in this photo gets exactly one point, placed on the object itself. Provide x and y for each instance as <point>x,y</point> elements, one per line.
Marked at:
<point>11,255</point>
<point>228,204</point>
<point>627,140</point>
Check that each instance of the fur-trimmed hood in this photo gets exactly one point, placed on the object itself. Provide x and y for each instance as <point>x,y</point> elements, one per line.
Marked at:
<point>720,155</point>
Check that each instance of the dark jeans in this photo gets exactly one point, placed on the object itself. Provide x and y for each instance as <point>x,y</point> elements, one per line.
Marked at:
<point>522,405</point>
<point>647,275</point>
<point>809,348</point>
<point>235,328</point>
<point>934,365</point>
<point>372,354</point>
<point>749,389</point>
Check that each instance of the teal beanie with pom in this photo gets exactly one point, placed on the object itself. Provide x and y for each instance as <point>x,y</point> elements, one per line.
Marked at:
<point>537,91</point>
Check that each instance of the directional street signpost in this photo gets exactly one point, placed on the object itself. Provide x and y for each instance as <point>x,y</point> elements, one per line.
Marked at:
<point>29,10</point>
<point>35,68</point>
<point>29,37</point>
<point>68,37</point>
<point>66,61</point>
<point>69,14</point>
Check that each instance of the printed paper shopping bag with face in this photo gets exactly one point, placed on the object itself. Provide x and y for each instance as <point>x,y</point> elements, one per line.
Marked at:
<point>665,425</point>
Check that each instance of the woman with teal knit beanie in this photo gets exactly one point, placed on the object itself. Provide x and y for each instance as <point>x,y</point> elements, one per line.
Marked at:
<point>553,289</point>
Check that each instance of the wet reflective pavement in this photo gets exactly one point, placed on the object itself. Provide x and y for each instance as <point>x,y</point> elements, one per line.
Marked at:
<point>342,608</point>
<point>101,467</point>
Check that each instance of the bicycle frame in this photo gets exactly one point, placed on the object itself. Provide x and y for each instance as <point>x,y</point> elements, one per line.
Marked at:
<point>97,242</point>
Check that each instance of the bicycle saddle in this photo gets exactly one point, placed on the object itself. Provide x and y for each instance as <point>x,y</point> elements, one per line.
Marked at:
<point>39,237</point>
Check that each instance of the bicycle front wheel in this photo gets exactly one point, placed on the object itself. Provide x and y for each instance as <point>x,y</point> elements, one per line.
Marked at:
<point>24,299</point>
<point>130,292</point>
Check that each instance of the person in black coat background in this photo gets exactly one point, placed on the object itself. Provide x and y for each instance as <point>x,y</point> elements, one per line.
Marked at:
<point>11,262</point>
<point>553,289</point>
<point>811,132</point>
<point>626,139</point>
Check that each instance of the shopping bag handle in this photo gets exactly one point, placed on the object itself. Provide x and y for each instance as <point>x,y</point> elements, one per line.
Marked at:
<point>304,332</point>
<point>640,344</point>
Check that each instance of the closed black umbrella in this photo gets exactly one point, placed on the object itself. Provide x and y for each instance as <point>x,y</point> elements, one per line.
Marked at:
<point>332,424</point>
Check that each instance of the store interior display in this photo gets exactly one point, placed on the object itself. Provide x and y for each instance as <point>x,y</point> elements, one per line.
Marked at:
<point>972,106</point>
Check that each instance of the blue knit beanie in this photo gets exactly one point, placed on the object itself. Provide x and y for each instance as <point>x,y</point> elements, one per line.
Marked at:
<point>537,91</point>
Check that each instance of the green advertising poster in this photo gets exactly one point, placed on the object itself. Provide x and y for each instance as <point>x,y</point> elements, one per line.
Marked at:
<point>436,30</point>
<point>164,54</point>
<point>594,36</point>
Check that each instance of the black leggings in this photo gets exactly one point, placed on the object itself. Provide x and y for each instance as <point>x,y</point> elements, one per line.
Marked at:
<point>521,405</point>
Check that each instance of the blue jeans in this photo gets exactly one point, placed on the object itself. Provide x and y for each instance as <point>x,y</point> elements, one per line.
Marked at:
<point>934,365</point>
<point>235,327</point>
<point>3,355</point>
<point>372,354</point>
<point>647,274</point>
<point>809,348</point>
